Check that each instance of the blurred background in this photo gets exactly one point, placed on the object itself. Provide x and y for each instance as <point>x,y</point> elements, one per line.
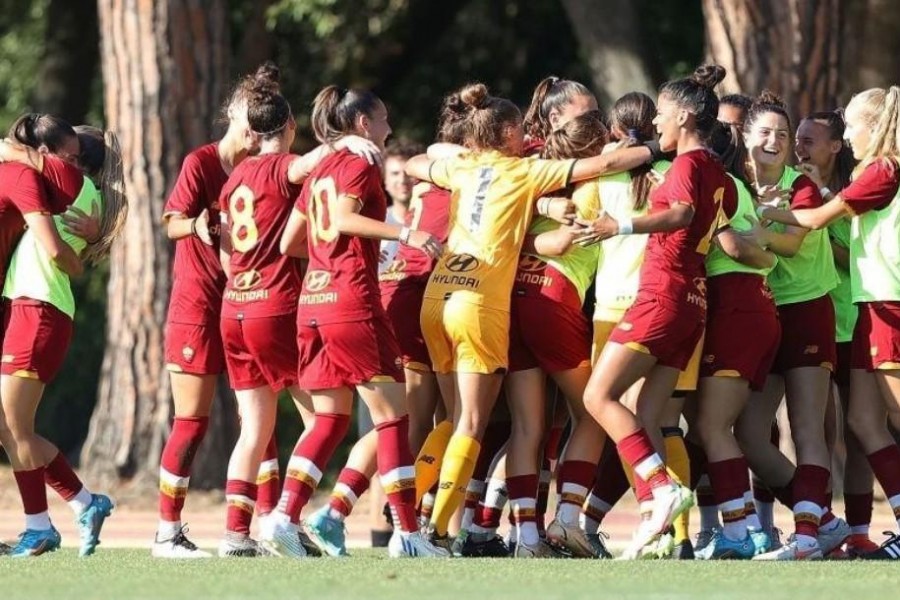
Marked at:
<point>157,72</point>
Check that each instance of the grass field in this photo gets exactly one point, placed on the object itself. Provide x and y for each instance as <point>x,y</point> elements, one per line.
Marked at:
<point>126,574</point>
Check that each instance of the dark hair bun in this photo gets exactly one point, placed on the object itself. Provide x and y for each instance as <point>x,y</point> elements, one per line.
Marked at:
<point>474,95</point>
<point>709,76</point>
<point>769,98</point>
<point>267,74</point>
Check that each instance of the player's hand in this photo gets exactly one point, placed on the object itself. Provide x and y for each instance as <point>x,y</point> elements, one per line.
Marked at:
<point>383,255</point>
<point>86,226</point>
<point>594,232</point>
<point>561,210</point>
<point>812,171</point>
<point>201,227</point>
<point>427,243</point>
<point>759,235</point>
<point>360,146</point>
<point>772,195</point>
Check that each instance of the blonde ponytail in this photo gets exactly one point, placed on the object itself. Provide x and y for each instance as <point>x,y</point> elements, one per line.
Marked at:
<point>115,202</point>
<point>880,109</point>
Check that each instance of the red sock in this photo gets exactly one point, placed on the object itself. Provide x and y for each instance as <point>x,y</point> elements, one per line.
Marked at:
<point>522,494</point>
<point>762,492</point>
<point>309,459</point>
<point>396,470</point>
<point>859,509</point>
<point>59,475</point>
<point>574,481</point>
<point>488,515</point>
<point>496,434</point>
<point>175,464</point>
<point>886,466</point>
<point>268,480</point>
<point>551,445</point>
<point>784,494</point>
<point>729,479</point>
<point>610,482</point>
<point>810,484</point>
<point>240,499</point>
<point>32,489</point>
<point>351,484</point>
<point>637,451</point>
<point>828,516</point>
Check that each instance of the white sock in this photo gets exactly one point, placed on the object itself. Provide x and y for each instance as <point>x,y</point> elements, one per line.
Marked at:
<point>751,516</point>
<point>735,525</point>
<point>860,530</point>
<point>805,541</point>
<point>39,521</point>
<point>766,513</point>
<point>649,466</point>
<point>81,501</point>
<point>528,533</point>
<point>166,530</point>
<point>568,514</point>
<point>596,506</point>
<point>569,509</point>
<point>894,501</point>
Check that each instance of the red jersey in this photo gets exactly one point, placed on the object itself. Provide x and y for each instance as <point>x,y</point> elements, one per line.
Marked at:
<point>21,192</point>
<point>341,282</point>
<point>674,262</point>
<point>198,280</point>
<point>257,199</point>
<point>429,210</point>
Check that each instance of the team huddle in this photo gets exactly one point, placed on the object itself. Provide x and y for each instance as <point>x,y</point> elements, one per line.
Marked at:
<point>562,291</point>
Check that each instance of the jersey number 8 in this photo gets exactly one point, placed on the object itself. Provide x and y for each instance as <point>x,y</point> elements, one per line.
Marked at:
<point>244,232</point>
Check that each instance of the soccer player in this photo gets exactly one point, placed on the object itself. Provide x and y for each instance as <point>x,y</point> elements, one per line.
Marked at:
<point>193,342</point>
<point>554,103</point>
<point>820,143</point>
<point>742,336</point>
<point>465,316</point>
<point>801,372</point>
<point>344,337</point>
<point>38,329</point>
<point>733,109</point>
<point>659,332</point>
<point>550,335</point>
<point>258,310</point>
<point>402,287</point>
<point>871,200</point>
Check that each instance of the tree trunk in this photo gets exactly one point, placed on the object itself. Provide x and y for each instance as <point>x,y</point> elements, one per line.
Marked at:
<point>165,71</point>
<point>791,47</point>
<point>608,34</point>
<point>871,55</point>
<point>70,59</point>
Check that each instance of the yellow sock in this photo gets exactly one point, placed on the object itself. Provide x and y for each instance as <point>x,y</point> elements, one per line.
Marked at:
<point>428,463</point>
<point>679,467</point>
<point>456,471</point>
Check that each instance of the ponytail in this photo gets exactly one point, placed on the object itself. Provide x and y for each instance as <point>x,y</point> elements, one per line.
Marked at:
<point>36,129</point>
<point>696,95</point>
<point>482,117</point>
<point>880,110</point>
<point>335,111</point>
<point>550,94</point>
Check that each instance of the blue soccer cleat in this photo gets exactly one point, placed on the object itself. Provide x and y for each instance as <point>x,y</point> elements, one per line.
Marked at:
<point>327,532</point>
<point>35,542</point>
<point>90,522</point>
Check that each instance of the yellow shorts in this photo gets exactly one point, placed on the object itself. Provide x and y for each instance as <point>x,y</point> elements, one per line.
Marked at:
<point>687,380</point>
<point>465,337</point>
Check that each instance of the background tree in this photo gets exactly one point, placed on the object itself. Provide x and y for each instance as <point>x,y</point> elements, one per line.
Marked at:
<point>165,73</point>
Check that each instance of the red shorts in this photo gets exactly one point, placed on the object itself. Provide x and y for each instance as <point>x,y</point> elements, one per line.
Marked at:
<point>261,351</point>
<point>403,305</point>
<point>547,334</point>
<point>807,335</point>
<point>36,339</point>
<point>876,338</point>
<point>337,355</point>
<point>841,375</point>
<point>661,328</point>
<point>194,349</point>
<point>742,329</point>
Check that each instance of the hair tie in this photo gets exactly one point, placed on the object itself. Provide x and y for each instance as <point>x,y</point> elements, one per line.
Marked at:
<point>633,133</point>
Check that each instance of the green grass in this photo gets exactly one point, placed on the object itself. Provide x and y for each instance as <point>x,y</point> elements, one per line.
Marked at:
<point>126,574</point>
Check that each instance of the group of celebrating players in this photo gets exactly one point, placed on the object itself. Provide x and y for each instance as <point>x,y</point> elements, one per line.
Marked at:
<point>721,281</point>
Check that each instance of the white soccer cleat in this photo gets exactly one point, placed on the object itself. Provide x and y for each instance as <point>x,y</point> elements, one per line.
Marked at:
<point>793,551</point>
<point>414,545</point>
<point>668,502</point>
<point>238,545</point>
<point>644,537</point>
<point>177,546</point>
<point>834,536</point>
<point>282,539</point>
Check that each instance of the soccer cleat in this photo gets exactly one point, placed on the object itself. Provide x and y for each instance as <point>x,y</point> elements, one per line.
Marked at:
<point>889,550</point>
<point>792,551</point>
<point>177,546</point>
<point>643,543</point>
<point>859,544</point>
<point>328,533</point>
<point>90,522</point>
<point>282,539</point>
<point>683,551</point>
<point>540,550</point>
<point>441,541</point>
<point>596,541</point>
<point>477,545</point>
<point>834,537</point>
<point>702,549</point>
<point>238,545</point>
<point>571,539</point>
<point>5,549</point>
<point>35,542</point>
<point>668,502</point>
<point>414,545</point>
<point>762,543</point>
<point>775,538</point>
<point>724,548</point>
<point>312,550</point>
